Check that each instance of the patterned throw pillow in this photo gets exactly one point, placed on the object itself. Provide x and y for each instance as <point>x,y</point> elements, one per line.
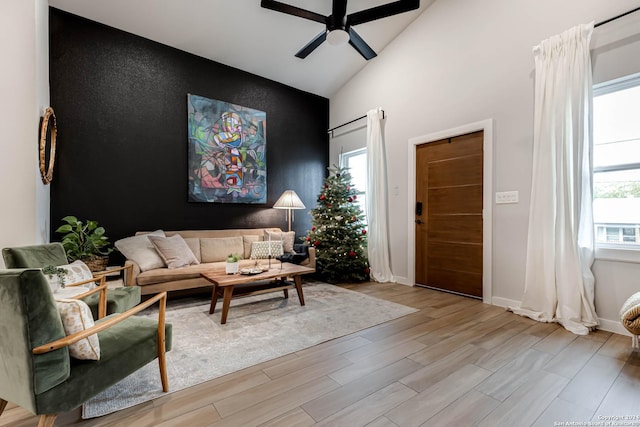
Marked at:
<point>76,316</point>
<point>260,250</point>
<point>76,272</point>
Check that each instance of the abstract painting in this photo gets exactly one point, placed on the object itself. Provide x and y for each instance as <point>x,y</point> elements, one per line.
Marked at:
<point>227,152</point>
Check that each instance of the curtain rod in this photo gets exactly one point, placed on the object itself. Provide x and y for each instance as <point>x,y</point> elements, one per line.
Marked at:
<point>348,123</point>
<point>616,17</point>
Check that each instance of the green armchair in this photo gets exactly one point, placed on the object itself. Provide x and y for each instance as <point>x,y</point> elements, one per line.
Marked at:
<point>38,256</point>
<point>36,371</point>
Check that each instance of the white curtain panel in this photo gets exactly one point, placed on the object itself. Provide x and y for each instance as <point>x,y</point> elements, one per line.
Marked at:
<point>377,213</point>
<point>559,284</point>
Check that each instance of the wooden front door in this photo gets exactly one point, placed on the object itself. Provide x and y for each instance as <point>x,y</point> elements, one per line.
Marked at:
<point>449,214</point>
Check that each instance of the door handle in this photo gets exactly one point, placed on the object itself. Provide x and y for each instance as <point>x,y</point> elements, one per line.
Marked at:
<point>418,221</point>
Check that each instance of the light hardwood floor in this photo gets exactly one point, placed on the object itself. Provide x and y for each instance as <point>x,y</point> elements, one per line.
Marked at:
<point>456,362</point>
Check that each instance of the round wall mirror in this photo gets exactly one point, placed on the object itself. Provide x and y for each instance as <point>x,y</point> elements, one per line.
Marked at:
<point>48,134</point>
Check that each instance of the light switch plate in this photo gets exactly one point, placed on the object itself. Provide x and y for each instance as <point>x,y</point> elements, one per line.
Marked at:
<point>506,197</point>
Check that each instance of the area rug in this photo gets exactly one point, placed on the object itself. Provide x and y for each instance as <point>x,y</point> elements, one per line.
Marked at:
<point>258,329</point>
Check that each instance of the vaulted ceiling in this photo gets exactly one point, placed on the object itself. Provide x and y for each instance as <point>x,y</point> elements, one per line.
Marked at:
<point>241,34</point>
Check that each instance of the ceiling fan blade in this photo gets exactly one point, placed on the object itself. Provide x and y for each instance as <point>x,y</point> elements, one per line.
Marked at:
<point>382,11</point>
<point>293,10</point>
<point>360,45</point>
<point>312,45</point>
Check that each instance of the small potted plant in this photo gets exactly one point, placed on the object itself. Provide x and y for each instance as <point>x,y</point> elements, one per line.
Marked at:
<point>85,241</point>
<point>232,264</point>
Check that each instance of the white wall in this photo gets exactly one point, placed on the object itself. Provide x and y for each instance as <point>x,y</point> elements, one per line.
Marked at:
<point>24,85</point>
<point>460,62</point>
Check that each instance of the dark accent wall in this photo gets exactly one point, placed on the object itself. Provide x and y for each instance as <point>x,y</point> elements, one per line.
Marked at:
<point>121,107</point>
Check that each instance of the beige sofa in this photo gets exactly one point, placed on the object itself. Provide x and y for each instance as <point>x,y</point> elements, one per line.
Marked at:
<point>210,253</point>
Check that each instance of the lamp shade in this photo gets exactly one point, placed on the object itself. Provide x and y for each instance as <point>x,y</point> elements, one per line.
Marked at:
<point>289,200</point>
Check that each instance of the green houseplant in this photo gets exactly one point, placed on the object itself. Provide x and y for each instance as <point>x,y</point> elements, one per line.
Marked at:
<point>85,241</point>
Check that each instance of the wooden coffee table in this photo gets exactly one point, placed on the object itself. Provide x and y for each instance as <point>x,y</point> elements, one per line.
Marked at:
<point>237,285</point>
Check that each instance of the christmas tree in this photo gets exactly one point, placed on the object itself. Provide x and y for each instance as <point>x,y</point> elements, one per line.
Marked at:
<point>338,231</point>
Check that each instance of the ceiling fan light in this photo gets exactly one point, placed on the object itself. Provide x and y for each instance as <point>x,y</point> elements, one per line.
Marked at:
<point>337,37</point>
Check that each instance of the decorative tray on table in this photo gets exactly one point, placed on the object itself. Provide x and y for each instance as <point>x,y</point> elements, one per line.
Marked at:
<point>251,271</point>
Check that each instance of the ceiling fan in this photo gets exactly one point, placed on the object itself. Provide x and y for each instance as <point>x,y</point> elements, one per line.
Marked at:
<point>339,25</point>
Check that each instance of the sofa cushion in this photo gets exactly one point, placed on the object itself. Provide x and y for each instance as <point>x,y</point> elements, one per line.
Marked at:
<point>162,275</point>
<point>140,250</point>
<point>174,251</point>
<point>76,317</point>
<point>194,245</point>
<point>217,249</point>
<point>288,238</point>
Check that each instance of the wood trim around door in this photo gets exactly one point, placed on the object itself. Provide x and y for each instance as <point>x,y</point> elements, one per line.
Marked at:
<point>487,213</point>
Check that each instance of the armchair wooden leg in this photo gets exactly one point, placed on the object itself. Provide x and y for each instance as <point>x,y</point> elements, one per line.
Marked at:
<point>47,420</point>
<point>3,404</point>
<point>162,359</point>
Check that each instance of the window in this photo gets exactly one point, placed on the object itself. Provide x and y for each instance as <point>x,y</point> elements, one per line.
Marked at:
<point>616,163</point>
<point>356,162</point>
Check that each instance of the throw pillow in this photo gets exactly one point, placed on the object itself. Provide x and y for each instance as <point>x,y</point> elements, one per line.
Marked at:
<point>75,272</point>
<point>76,317</point>
<point>174,251</point>
<point>140,250</point>
<point>247,241</point>
<point>214,249</point>
<point>287,237</point>
<point>262,250</point>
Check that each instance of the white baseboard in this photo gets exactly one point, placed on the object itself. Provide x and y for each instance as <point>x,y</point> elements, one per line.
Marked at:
<point>612,326</point>
<point>504,302</point>
<point>403,281</point>
<point>605,324</point>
